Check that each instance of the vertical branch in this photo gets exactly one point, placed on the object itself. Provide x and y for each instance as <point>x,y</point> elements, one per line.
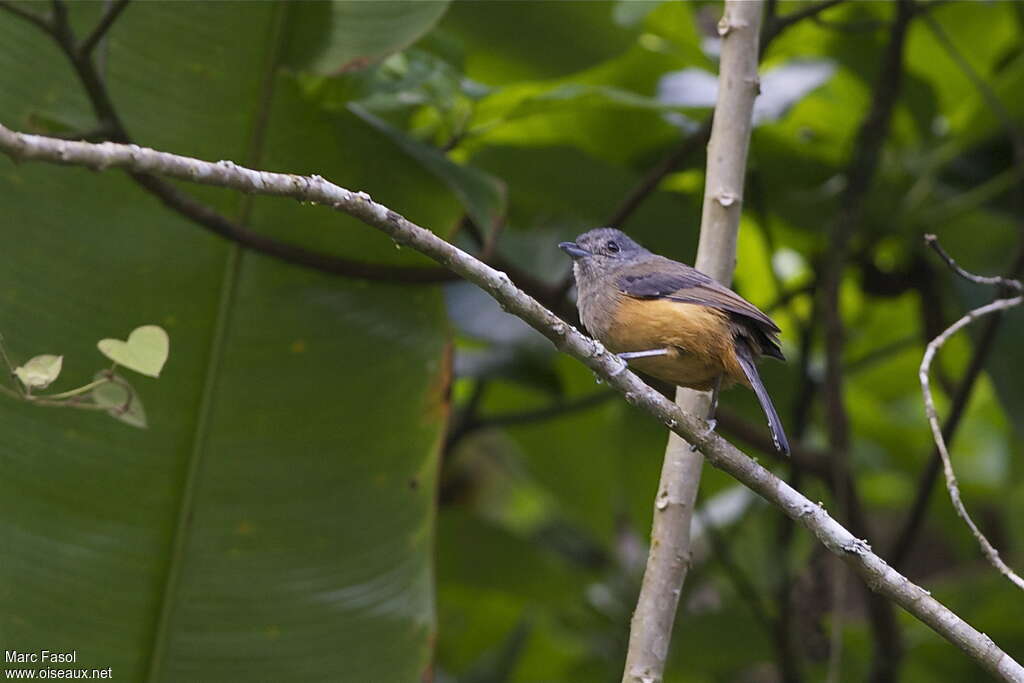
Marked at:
<point>669,558</point>
<point>860,172</point>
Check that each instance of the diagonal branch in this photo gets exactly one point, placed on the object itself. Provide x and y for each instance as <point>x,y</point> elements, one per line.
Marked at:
<point>657,173</point>
<point>39,21</point>
<point>777,24</point>
<point>104,24</point>
<point>879,575</point>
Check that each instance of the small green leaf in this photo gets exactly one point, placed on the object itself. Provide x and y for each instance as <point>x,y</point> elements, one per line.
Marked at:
<point>121,401</point>
<point>145,351</point>
<point>40,372</point>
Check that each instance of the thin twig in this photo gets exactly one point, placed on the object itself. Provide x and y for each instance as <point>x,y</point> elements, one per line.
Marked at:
<point>104,24</point>
<point>472,422</point>
<point>933,420</point>
<point>41,22</point>
<point>636,196</point>
<point>719,452</point>
<point>997,280</point>
<point>929,404</point>
<point>10,369</point>
<point>777,24</point>
<point>908,535</point>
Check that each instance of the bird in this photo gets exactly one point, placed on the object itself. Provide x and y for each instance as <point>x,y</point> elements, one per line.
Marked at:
<point>671,321</point>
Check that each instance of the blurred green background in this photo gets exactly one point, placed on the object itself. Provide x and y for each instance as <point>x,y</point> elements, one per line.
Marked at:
<point>371,480</point>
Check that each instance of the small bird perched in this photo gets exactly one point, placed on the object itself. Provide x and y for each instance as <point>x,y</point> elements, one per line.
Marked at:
<point>672,321</point>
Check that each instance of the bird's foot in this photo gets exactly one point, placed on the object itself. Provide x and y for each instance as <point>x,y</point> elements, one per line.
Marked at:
<point>630,355</point>
<point>712,423</point>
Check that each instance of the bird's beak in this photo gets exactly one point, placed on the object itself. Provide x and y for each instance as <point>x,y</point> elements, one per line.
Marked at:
<point>574,250</point>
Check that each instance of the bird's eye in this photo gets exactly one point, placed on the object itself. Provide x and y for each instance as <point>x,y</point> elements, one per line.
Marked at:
<point>612,247</point>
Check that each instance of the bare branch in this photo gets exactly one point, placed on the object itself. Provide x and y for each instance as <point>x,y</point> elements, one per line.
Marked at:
<point>933,420</point>
<point>694,141</point>
<point>998,281</point>
<point>104,24</point>
<point>39,21</point>
<point>908,534</point>
<point>778,24</point>
<point>929,404</point>
<point>471,422</point>
<point>217,223</point>
<point>879,575</point>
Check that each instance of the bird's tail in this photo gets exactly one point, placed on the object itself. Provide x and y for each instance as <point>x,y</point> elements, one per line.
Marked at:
<point>746,359</point>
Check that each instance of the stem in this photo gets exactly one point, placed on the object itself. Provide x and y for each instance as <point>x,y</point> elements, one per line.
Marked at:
<point>669,558</point>
<point>19,390</point>
<point>75,392</point>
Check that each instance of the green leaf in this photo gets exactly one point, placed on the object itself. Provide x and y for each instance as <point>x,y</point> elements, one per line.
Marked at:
<point>339,36</point>
<point>145,351</point>
<point>506,43</point>
<point>482,195</point>
<point>40,372</point>
<point>275,521</point>
<point>121,401</point>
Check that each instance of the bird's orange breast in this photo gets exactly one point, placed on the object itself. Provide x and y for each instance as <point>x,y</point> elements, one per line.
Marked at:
<point>700,340</point>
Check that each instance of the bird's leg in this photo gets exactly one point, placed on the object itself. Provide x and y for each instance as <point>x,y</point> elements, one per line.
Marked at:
<point>710,418</point>
<point>630,355</point>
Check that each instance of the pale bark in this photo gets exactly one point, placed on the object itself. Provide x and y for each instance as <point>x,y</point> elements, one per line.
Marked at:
<point>669,558</point>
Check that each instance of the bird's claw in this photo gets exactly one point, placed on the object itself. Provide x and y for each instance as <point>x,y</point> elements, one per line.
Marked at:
<point>712,423</point>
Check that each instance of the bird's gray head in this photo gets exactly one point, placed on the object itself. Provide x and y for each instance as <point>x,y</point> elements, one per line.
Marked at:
<point>604,248</point>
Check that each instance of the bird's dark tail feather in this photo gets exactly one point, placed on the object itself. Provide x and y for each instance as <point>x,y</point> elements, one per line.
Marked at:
<point>746,359</point>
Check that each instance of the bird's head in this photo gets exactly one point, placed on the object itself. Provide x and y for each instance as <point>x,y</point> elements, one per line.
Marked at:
<point>602,248</point>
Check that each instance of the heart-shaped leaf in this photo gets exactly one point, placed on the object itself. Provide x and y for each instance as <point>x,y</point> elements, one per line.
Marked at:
<point>121,401</point>
<point>40,372</point>
<point>145,351</point>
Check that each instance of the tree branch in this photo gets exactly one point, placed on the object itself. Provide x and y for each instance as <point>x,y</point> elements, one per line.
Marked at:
<point>929,404</point>
<point>880,576</point>
<point>859,175</point>
<point>104,24</point>
<point>649,183</point>
<point>908,534</point>
<point>777,24</point>
<point>669,556</point>
<point>39,21</point>
<point>471,422</point>
<point>80,57</point>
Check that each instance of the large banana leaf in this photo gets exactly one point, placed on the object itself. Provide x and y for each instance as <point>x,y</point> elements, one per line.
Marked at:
<point>275,522</point>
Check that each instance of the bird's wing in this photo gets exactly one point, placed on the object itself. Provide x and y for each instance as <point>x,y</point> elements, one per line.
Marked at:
<point>676,281</point>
